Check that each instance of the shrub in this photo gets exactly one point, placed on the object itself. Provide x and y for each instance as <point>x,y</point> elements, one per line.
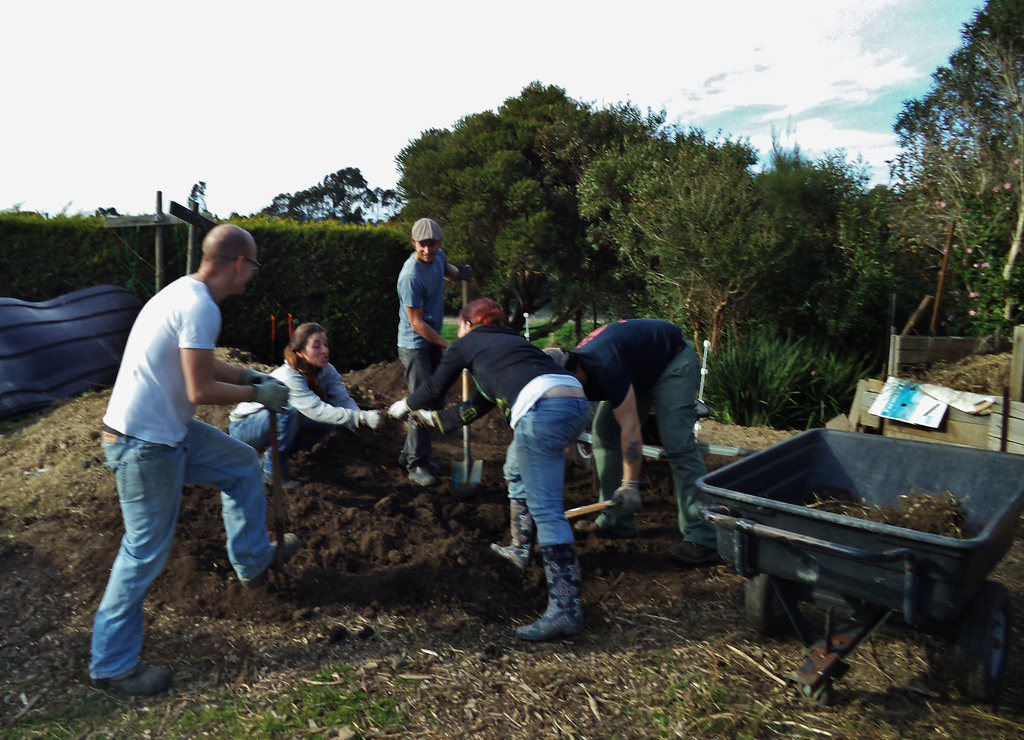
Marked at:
<point>782,383</point>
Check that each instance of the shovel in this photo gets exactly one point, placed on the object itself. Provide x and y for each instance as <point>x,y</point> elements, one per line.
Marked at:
<point>276,492</point>
<point>465,472</point>
<point>629,500</point>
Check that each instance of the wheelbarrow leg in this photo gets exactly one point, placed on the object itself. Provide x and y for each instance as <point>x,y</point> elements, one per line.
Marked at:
<point>826,660</point>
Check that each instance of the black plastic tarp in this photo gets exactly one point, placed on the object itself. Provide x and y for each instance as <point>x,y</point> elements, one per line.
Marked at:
<point>62,347</point>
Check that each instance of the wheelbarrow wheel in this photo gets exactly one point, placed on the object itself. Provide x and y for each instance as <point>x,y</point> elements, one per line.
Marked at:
<point>983,642</point>
<point>580,454</point>
<point>765,612</point>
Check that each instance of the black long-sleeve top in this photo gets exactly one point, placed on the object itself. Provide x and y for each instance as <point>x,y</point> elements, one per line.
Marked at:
<point>501,361</point>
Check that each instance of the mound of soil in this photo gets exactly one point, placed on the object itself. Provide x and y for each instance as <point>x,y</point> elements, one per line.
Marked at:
<point>386,568</point>
<point>371,538</point>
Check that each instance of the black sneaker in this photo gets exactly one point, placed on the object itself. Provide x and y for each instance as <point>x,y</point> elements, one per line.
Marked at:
<point>432,467</point>
<point>142,680</point>
<point>281,556</point>
<point>691,553</point>
<point>422,477</point>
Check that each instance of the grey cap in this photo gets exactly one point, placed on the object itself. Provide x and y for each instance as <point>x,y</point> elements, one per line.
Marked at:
<point>424,229</point>
<point>558,355</point>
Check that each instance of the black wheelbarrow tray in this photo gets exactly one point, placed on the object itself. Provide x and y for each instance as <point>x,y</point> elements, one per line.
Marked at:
<point>871,572</point>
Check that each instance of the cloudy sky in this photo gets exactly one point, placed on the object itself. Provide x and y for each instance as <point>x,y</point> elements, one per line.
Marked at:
<point>110,101</point>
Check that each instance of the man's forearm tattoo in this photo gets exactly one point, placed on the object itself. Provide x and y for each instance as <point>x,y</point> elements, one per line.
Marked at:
<point>634,453</point>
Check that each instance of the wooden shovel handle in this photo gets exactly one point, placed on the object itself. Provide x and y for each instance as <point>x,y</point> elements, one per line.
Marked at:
<point>276,492</point>
<point>589,509</point>
<point>465,373</point>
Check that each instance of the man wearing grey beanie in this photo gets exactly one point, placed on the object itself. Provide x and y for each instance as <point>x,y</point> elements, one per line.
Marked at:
<point>420,344</point>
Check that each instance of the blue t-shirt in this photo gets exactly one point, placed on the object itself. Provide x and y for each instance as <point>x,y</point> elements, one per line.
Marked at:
<point>420,284</point>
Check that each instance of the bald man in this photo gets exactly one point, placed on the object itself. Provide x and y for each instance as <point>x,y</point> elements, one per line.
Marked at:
<point>154,446</point>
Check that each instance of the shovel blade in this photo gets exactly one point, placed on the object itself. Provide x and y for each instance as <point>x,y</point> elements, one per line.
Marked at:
<point>466,473</point>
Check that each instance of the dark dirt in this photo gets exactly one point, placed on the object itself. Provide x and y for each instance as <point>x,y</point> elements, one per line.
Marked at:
<point>387,568</point>
<point>931,513</point>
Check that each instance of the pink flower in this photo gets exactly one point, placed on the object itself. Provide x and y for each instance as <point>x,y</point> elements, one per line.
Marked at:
<point>972,312</point>
<point>986,264</point>
<point>970,250</point>
<point>973,294</point>
<point>1008,185</point>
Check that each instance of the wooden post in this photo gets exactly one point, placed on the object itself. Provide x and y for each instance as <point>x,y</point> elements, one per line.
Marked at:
<point>921,308</point>
<point>942,277</point>
<point>193,242</point>
<point>1017,365</point>
<point>159,255</point>
<point>159,219</point>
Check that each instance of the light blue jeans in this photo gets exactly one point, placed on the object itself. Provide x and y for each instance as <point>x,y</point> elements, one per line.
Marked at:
<point>535,462</point>
<point>294,432</point>
<point>149,484</point>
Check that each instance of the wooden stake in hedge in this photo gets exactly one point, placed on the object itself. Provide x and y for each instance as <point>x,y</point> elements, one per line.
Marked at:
<point>942,277</point>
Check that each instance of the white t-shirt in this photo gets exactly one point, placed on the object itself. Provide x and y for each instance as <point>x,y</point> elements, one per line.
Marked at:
<point>149,401</point>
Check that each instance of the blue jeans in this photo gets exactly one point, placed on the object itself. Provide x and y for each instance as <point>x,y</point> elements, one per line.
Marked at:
<point>294,432</point>
<point>149,484</point>
<point>673,398</point>
<point>535,462</point>
<point>419,364</point>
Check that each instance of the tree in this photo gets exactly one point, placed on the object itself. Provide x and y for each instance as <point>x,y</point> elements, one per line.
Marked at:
<point>685,215</point>
<point>343,196</point>
<point>198,196</point>
<point>839,265</point>
<point>504,186</point>
<point>963,164</point>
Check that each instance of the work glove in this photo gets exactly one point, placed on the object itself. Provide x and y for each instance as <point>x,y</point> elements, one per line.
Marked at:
<point>399,409</point>
<point>370,419</point>
<point>272,393</point>
<point>465,272</point>
<point>627,495</point>
<point>455,416</point>
<point>255,377</point>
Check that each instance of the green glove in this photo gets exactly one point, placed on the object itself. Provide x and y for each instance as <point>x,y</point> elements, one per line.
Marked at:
<point>273,394</point>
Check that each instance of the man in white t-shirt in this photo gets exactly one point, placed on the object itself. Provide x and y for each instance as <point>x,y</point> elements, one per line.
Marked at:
<point>154,446</point>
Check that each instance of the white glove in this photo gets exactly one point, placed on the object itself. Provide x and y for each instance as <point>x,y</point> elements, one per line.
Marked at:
<point>255,377</point>
<point>273,394</point>
<point>425,417</point>
<point>371,419</point>
<point>398,409</point>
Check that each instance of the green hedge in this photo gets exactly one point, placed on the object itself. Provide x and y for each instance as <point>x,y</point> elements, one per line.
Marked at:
<point>340,276</point>
<point>42,258</point>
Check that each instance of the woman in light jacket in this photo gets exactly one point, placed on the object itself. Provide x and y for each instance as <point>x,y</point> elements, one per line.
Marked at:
<point>317,403</point>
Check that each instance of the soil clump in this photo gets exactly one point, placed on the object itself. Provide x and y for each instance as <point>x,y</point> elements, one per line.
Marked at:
<point>931,513</point>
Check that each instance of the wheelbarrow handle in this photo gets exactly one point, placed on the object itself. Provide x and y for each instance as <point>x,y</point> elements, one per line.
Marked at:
<point>658,453</point>
<point>723,518</point>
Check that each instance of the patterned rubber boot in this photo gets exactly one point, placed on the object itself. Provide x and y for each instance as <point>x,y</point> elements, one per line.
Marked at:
<point>523,530</point>
<point>563,615</point>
